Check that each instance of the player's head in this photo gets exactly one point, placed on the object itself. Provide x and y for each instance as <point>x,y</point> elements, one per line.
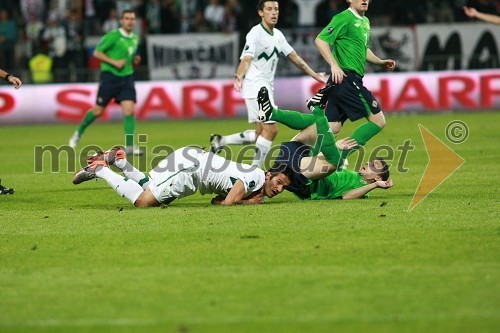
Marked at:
<point>375,170</point>
<point>269,12</point>
<point>127,20</point>
<point>361,6</point>
<point>277,178</point>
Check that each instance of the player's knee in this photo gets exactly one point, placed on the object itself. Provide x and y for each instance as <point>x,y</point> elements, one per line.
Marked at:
<point>98,111</point>
<point>381,123</point>
<point>270,132</point>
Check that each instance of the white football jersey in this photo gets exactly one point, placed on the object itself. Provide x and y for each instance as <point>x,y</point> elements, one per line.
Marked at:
<point>265,48</point>
<point>217,175</point>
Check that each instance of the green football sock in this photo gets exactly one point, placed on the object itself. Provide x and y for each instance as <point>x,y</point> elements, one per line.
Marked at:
<point>326,140</point>
<point>293,119</point>
<point>89,119</point>
<point>129,127</point>
<point>362,134</point>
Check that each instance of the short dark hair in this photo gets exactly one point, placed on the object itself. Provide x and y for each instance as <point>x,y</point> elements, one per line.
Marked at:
<point>384,173</point>
<point>260,5</point>
<point>128,11</point>
<point>281,168</point>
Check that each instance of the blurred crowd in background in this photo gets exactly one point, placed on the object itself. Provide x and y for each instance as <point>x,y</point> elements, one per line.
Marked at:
<point>57,30</point>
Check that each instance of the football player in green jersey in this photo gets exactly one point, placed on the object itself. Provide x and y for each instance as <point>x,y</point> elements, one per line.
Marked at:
<point>343,43</point>
<point>316,169</point>
<point>117,52</point>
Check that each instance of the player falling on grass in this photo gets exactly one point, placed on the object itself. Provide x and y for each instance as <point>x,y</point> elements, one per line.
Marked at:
<point>117,52</point>
<point>314,177</point>
<point>257,68</point>
<point>184,172</point>
<point>343,43</point>
<point>17,84</point>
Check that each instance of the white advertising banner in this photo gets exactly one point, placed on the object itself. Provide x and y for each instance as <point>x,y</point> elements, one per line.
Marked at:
<point>192,56</point>
<point>425,47</point>
<point>397,92</point>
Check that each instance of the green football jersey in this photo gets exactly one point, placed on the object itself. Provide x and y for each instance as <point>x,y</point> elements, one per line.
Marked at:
<point>349,36</point>
<point>119,46</point>
<point>336,184</point>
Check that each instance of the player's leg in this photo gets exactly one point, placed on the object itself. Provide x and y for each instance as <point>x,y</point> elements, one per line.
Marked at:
<point>325,142</point>
<point>218,142</point>
<point>268,112</point>
<point>128,107</point>
<point>109,86</point>
<point>123,186</point>
<point>264,142</point>
<point>126,96</point>
<point>116,156</point>
<point>366,131</point>
<point>91,115</point>
<point>355,102</point>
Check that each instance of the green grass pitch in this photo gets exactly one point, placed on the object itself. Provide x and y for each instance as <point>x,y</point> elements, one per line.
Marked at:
<point>82,259</point>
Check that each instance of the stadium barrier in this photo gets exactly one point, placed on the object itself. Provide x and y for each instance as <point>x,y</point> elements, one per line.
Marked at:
<point>188,99</point>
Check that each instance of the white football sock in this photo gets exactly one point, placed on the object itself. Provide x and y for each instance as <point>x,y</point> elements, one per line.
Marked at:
<point>126,188</point>
<point>262,147</point>
<point>132,173</point>
<point>243,138</point>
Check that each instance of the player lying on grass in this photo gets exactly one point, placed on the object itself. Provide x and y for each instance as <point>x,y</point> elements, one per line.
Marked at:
<point>182,173</point>
<point>314,169</point>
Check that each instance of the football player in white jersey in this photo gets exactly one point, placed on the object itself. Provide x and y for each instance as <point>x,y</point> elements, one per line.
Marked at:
<point>182,173</point>
<point>258,61</point>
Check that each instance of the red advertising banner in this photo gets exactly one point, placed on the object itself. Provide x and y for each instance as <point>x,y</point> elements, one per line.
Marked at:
<point>397,92</point>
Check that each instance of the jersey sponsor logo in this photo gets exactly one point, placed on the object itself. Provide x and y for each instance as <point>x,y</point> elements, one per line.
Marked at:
<point>374,104</point>
<point>267,57</point>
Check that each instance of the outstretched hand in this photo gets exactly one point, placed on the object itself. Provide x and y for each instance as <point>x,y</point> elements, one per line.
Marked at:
<point>385,184</point>
<point>388,64</point>
<point>346,144</point>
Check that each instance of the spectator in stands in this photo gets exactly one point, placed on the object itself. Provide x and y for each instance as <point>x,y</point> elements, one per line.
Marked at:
<point>153,16</point>
<point>489,18</point>
<point>232,11</point>
<point>8,39</point>
<point>200,24</point>
<point>35,7</point>
<point>74,54</point>
<point>170,19</point>
<point>55,35</point>
<point>214,14</point>
<point>189,10</point>
<point>326,10</point>
<point>40,66</point>
<point>32,32</point>
<point>112,22</point>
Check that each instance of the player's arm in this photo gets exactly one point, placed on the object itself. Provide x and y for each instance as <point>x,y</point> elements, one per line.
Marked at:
<point>241,71</point>
<point>118,63</point>
<point>235,195</point>
<point>326,52</point>
<point>387,64</point>
<point>489,18</point>
<point>304,67</point>
<point>11,79</point>
<point>360,192</point>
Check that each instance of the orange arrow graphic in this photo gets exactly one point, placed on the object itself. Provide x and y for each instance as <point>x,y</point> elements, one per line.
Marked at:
<point>442,163</point>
